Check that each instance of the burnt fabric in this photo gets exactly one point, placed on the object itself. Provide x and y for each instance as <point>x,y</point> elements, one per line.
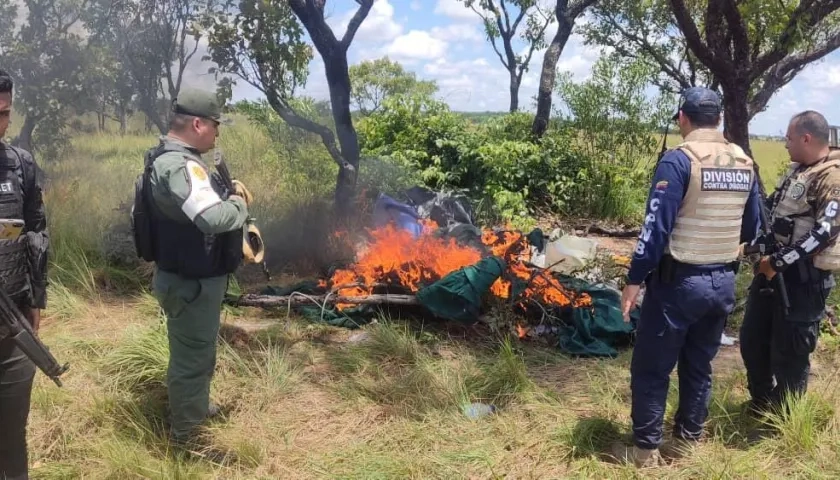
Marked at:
<point>778,347</point>
<point>596,331</point>
<point>458,296</point>
<point>680,325</point>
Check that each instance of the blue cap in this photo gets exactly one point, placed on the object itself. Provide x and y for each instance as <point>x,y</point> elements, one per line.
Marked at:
<point>699,100</point>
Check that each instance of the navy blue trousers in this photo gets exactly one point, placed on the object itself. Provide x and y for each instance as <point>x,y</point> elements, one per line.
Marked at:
<point>681,324</point>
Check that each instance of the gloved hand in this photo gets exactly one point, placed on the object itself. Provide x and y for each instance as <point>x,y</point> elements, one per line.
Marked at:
<point>240,190</point>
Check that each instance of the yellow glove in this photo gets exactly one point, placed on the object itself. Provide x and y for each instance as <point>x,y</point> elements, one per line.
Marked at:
<point>239,189</point>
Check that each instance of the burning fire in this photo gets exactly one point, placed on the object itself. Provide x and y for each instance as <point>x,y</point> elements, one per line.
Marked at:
<point>395,258</point>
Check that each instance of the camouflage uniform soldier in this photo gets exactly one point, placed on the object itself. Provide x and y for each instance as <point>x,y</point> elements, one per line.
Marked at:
<point>776,348</point>
<point>196,237</point>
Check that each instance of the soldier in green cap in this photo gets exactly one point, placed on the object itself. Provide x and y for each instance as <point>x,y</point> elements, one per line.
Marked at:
<point>194,235</point>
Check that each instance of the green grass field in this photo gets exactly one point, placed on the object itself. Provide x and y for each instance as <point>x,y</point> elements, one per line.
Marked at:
<point>309,401</point>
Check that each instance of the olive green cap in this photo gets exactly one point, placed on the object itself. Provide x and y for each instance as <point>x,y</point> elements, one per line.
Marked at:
<point>199,103</point>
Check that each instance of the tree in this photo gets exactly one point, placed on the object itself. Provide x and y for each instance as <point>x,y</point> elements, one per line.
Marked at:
<point>374,80</point>
<point>263,45</point>
<point>155,41</point>
<point>747,48</point>
<point>566,14</point>
<point>497,25</point>
<point>48,61</point>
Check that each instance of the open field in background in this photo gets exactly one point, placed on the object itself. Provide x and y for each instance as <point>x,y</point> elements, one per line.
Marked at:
<point>309,401</point>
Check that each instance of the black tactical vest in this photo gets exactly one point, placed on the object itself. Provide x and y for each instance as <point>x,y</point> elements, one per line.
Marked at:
<point>179,246</point>
<point>14,263</point>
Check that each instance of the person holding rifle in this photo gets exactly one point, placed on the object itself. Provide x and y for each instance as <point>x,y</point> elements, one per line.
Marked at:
<point>196,243</point>
<point>703,206</point>
<point>24,248</point>
<point>803,212</point>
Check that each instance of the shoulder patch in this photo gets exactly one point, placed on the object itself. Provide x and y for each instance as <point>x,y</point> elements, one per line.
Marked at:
<point>201,196</point>
<point>198,172</point>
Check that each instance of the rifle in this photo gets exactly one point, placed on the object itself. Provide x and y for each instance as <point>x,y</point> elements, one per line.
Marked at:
<point>15,325</point>
<point>762,247</point>
<point>251,235</point>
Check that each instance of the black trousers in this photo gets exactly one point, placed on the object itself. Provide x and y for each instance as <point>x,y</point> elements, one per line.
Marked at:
<point>16,375</point>
<point>777,349</point>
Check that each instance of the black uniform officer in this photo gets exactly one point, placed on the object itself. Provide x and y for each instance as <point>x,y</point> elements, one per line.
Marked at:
<point>23,276</point>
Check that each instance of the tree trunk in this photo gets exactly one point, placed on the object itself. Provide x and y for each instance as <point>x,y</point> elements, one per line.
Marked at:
<point>514,91</point>
<point>24,138</point>
<point>123,121</point>
<point>549,75</point>
<point>736,117</point>
<point>338,79</point>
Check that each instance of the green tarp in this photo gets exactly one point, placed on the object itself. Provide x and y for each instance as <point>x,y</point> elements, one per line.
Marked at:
<point>458,295</point>
<point>595,331</point>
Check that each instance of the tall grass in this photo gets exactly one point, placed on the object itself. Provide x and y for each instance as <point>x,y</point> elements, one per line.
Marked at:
<point>303,401</point>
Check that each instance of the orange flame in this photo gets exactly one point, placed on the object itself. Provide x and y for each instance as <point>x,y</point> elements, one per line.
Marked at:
<point>395,258</point>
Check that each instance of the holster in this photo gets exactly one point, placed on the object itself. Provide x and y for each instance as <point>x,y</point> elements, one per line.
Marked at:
<point>665,269</point>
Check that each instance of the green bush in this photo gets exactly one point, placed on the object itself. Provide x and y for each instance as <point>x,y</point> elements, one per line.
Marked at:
<point>497,162</point>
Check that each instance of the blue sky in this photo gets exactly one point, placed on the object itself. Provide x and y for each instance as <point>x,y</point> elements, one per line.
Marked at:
<point>444,41</point>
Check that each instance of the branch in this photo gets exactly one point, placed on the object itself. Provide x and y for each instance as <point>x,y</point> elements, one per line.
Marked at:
<point>507,17</point>
<point>524,65</point>
<point>666,65</point>
<point>716,32</point>
<point>295,120</point>
<point>355,22</point>
<point>575,9</point>
<point>515,22</point>
<point>254,300</point>
<point>784,72</point>
<point>311,15</point>
<point>808,13</point>
<point>738,30</point>
<point>692,35</point>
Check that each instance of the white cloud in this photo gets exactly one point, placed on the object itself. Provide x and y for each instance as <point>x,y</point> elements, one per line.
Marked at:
<point>455,9</point>
<point>443,68</point>
<point>416,6</point>
<point>379,25</point>
<point>458,32</point>
<point>813,89</point>
<point>416,44</point>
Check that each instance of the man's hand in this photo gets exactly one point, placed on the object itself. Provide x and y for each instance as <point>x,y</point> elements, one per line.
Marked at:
<point>34,317</point>
<point>765,268</point>
<point>628,299</point>
<point>240,190</point>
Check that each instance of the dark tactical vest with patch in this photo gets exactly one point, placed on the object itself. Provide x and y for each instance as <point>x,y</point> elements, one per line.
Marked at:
<point>179,246</point>
<point>14,263</point>
<point>795,204</point>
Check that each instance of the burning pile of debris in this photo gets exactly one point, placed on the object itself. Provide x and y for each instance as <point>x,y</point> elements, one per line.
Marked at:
<point>428,255</point>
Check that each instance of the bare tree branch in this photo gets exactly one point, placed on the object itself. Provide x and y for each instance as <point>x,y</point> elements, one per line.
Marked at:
<point>807,15</point>
<point>738,30</point>
<point>784,72</point>
<point>355,22</point>
<point>692,35</point>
